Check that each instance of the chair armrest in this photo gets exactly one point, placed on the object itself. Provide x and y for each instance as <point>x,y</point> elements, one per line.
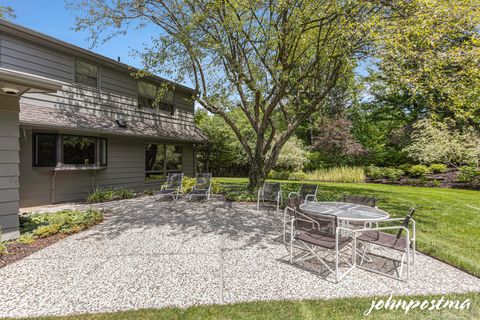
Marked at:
<point>260,192</point>
<point>307,218</point>
<point>292,193</point>
<point>383,228</point>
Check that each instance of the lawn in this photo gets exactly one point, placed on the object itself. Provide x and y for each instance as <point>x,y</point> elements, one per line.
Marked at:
<point>345,309</point>
<point>448,220</point>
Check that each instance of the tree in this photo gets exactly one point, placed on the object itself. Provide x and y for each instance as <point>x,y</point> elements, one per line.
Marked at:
<point>427,61</point>
<point>276,61</point>
<point>436,142</point>
<point>7,13</point>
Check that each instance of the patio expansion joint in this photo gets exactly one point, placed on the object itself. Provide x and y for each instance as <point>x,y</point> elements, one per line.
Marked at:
<point>90,273</point>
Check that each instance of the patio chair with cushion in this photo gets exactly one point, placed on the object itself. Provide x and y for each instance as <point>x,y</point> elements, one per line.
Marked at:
<point>172,187</point>
<point>308,192</point>
<point>317,237</point>
<point>293,204</point>
<point>271,191</point>
<point>202,186</point>
<point>377,236</point>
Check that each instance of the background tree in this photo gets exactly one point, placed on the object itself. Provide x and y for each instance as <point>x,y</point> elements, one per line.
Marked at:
<point>276,61</point>
<point>7,13</point>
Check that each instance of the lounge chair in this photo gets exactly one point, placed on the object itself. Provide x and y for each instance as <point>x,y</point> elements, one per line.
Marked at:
<point>376,236</point>
<point>317,236</point>
<point>271,191</point>
<point>308,192</point>
<point>172,187</point>
<point>202,186</point>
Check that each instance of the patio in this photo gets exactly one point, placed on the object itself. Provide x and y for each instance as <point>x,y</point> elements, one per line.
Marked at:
<point>153,254</point>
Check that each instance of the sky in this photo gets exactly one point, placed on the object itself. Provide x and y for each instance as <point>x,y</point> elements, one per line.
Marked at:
<point>52,18</point>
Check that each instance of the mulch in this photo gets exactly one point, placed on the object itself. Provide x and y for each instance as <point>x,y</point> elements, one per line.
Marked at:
<point>17,251</point>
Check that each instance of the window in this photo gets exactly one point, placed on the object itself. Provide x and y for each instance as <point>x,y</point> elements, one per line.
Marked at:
<point>161,159</point>
<point>45,150</point>
<point>147,94</point>
<point>50,149</point>
<point>86,73</point>
<point>173,158</point>
<point>78,150</point>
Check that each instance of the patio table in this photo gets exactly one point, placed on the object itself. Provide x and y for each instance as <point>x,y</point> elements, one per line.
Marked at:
<point>346,212</point>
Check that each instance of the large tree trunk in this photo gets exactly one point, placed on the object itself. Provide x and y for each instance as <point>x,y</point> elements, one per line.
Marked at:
<point>256,174</point>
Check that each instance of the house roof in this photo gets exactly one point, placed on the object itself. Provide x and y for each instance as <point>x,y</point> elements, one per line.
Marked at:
<point>37,37</point>
<point>52,118</point>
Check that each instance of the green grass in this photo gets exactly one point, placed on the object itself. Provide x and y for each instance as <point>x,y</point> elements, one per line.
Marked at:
<point>448,220</point>
<point>345,309</point>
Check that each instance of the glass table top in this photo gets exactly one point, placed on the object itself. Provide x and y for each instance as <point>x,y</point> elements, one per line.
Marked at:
<point>345,211</point>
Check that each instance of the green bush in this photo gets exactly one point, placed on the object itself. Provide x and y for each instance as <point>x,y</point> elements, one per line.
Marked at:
<point>26,238</point>
<point>338,174</point>
<point>48,230</point>
<point>109,194</point>
<point>374,172</point>
<point>468,173</point>
<point>393,173</point>
<point>297,176</point>
<point>405,167</point>
<point>216,186</point>
<point>438,168</point>
<point>187,184</point>
<point>418,170</point>
<point>278,175</point>
<point>65,221</point>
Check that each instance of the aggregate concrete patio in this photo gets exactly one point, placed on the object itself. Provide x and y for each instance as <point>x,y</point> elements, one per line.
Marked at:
<point>153,254</point>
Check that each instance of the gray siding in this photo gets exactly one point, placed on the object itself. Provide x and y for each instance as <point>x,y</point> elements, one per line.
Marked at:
<point>9,171</point>
<point>116,98</point>
<point>117,94</point>
<point>126,168</point>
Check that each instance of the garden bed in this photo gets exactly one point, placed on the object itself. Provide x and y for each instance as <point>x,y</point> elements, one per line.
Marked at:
<point>39,230</point>
<point>17,251</point>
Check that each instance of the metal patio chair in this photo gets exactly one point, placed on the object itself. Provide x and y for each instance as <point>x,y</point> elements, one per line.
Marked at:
<point>307,191</point>
<point>319,236</point>
<point>271,191</point>
<point>172,187</point>
<point>293,204</point>
<point>202,186</point>
<point>376,236</point>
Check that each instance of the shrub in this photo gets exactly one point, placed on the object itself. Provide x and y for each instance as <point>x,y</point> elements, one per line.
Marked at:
<point>65,221</point>
<point>48,230</point>
<point>405,167</point>
<point>418,170</point>
<point>102,195</point>
<point>187,184</point>
<point>3,248</point>
<point>338,174</point>
<point>393,173</point>
<point>292,156</point>
<point>468,173</point>
<point>216,186</point>
<point>438,168</point>
<point>437,142</point>
<point>298,175</point>
<point>374,172</point>
<point>278,175</point>
<point>26,238</point>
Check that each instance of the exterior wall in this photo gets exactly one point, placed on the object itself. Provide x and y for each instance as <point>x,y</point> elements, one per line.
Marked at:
<point>116,97</point>
<point>9,171</point>
<point>126,168</point>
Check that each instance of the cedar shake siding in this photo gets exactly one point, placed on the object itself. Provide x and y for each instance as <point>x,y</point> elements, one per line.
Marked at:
<point>93,111</point>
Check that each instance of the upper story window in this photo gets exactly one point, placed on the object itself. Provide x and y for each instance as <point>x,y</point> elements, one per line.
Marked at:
<point>86,73</point>
<point>147,94</point>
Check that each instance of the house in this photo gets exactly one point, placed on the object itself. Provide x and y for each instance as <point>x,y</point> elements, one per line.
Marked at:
<point>72,120</point>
